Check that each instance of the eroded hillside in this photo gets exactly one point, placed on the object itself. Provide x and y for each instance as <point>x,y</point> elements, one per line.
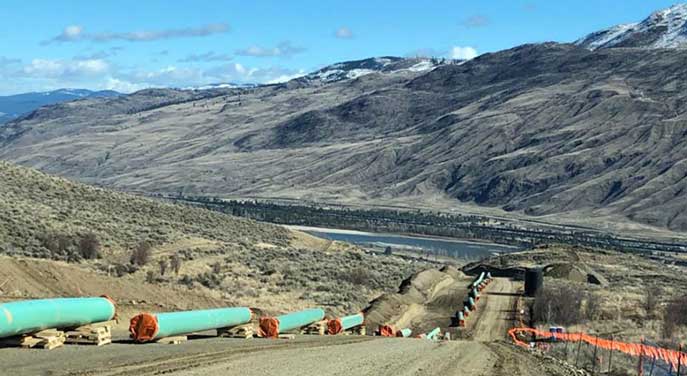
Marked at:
<point>542,130</point>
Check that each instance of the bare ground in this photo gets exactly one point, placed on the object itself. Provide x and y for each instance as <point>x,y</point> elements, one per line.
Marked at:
<point>486,354</point>
<point>305,355</point>
<point>496,316</point>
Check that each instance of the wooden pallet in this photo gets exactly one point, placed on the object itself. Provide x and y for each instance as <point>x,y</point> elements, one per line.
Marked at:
<point>359,331</point>
<point>97,334</point>
<point>317,328</point>
<point>175,340</point>
<point>46,339</point>
<point>241,331</point>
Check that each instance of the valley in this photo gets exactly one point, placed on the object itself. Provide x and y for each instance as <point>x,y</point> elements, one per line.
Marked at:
<point>347,188</point>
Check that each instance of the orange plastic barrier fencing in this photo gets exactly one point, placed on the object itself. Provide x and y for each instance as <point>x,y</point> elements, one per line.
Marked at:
<point>635,349</point>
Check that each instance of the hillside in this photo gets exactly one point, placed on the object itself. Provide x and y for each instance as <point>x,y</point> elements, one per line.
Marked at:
<point>555,132</point>
<point>236,261</point>
<point>13,106</point>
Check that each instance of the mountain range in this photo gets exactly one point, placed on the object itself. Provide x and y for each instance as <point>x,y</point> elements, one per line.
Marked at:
<point>589,132</point>
<point>665,28</point>
<point>13,106</point>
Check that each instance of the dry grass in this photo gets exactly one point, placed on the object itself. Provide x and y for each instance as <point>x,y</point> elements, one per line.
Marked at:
<point>34,205</point>
<point>244,262</point>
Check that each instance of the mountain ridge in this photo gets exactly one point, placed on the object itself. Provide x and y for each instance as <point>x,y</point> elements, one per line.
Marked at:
<point>666,28</point>
<point>541,130</point>
<point>15,106</point>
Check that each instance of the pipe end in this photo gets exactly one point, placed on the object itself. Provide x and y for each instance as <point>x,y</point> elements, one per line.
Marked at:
<point>334,326</point>
<point>143,327</point>
<point>269,327</point>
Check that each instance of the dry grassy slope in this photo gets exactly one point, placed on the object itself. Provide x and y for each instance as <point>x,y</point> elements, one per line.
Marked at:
<point>243,262</point>
<point>539,129</point>
<point>33,205</point>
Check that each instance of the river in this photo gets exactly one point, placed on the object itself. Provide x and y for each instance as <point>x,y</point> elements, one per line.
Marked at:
<point>461,249</point>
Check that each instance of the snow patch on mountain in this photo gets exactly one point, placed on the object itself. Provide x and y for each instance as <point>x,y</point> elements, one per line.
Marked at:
<point>384,65</point>
<point>665,28</point>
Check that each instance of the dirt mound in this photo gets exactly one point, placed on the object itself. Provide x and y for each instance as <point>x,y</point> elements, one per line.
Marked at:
<point>22,278</point>
<point>575,272</point>
<point>426,300</point>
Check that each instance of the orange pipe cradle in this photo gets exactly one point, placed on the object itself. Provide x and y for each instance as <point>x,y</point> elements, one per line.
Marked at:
<point>471,304</point>
<point>338,325</point>
<point>271,327</point>
<point>461,319</point>
<point>673,357</point>
<point>387,331</point>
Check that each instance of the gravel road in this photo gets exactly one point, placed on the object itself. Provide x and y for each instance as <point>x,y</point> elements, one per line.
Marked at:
<point>486,354</point>
<point>495,316</point>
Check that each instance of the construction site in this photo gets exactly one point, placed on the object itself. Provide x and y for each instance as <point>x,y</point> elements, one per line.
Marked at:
<point>441,321</point>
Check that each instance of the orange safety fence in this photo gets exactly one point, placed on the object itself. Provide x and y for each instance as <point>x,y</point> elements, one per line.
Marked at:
<point>673,357</point>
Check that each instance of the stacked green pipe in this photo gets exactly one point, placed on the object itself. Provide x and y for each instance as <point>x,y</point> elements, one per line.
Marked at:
<point>297,320</point>
<point>478,280</point>
<point>272,326</point>
<point>29,316</point>
<point>147,327</point>
<point>352,321</point>
<point>406,332</point>
<point>433,334</point>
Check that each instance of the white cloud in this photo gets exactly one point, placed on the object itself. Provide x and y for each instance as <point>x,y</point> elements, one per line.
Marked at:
<point>475,21</point>
<point>287,77</point>
<point>205,57</point>
<point>463,53</point>
<point>46,68</point>
<point>343,33</point>
<point>48,74</point>
<point>283,49</point>
<point>121,86</point>
<point>75,33</point>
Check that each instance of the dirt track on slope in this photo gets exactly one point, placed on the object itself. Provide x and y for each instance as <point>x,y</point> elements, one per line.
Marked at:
<point>496,314</point>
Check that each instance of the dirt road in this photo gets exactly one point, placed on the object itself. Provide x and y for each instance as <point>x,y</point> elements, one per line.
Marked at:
<point>485,354</point>
<point>495,310</point>
<point>305,355</point>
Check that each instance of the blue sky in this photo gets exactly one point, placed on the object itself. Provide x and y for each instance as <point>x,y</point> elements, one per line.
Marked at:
<point>128,45</point>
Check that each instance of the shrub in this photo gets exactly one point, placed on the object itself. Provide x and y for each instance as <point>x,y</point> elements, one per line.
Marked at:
<point>558,305</point>
<point>176,263</point>
<point>89,246</point>
<point>674,316</point>
<point>163,266</point>
<point>359,276</point>
<point>141,254</point>
<point>651,299</point>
